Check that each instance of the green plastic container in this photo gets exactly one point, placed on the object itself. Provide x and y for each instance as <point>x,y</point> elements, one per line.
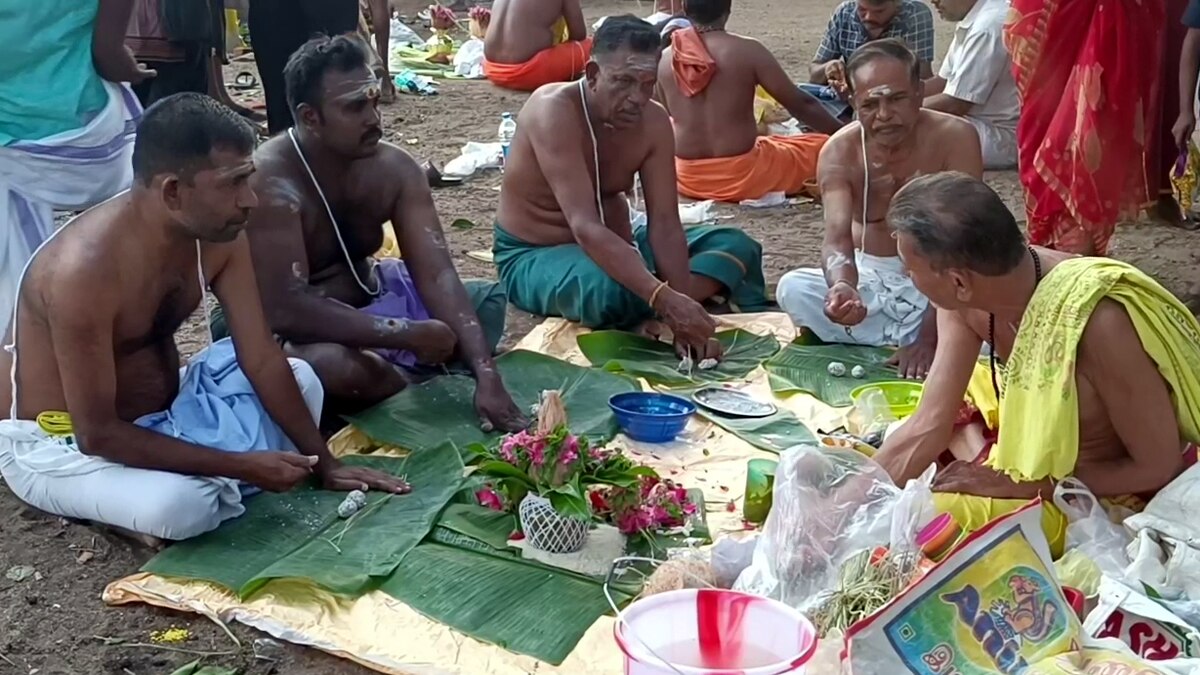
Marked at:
<point>902,395</point>
<point>760,482</point>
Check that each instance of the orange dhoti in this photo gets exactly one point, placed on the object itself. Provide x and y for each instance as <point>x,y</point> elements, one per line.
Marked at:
<point>785,164</point>
<point>560,63</point>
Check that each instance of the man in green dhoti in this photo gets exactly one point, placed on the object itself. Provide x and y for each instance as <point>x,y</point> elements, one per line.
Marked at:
<point>564,243</point>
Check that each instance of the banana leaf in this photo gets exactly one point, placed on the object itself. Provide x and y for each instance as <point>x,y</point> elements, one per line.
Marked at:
<point>657,363</point>
<point>298,534</point>
<point>775,433</point>
<point>442,409</point>
<point>521,606</point>
<point>805,368</point>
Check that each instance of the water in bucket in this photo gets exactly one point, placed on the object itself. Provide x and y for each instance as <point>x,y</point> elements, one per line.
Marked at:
<point>713,632</point>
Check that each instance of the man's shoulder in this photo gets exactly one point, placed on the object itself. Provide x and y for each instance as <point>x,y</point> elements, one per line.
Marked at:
<point>844,140</point>
<point>916,10</point>
<point>550,102</point>
<point>847,9</point>
<point>1107,335</point>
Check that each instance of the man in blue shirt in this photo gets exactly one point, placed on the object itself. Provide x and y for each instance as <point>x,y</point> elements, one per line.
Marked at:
<point>855,23</point>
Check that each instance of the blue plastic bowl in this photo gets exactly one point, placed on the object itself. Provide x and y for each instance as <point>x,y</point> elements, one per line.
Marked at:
<point>650,417</point>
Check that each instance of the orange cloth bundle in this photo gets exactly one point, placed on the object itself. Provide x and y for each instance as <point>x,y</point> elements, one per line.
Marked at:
<point>693,66</point>
<point>559,63</point>
<point>785,164</point>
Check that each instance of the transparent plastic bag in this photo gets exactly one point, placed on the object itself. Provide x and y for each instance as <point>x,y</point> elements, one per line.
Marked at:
<point>828,506</point>
<point>1090,531</point>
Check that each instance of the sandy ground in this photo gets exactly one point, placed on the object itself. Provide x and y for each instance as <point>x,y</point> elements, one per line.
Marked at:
<point>51,623</point>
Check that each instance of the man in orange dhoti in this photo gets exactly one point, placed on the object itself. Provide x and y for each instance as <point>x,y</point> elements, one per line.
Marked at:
<point>534,42</point>
<point>1089,114</point>
<point>707,81</point>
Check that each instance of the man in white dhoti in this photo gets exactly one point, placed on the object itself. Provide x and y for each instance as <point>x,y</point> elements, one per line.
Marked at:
<point>66,125</point>
<point>861,293</point>
<point>102,425</point>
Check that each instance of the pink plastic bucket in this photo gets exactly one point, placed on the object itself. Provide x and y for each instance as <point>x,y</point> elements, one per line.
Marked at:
<point>713,632</point>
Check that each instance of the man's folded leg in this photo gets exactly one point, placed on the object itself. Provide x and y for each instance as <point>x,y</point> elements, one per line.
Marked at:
<point>216,408</point>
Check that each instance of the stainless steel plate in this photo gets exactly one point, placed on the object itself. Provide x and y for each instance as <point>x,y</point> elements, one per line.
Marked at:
<point>732,403</point>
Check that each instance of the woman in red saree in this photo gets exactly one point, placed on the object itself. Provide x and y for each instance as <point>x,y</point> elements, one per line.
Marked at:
<point>1090,108</point>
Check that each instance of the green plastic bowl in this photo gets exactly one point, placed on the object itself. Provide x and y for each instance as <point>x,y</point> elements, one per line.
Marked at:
<point>902,395</point>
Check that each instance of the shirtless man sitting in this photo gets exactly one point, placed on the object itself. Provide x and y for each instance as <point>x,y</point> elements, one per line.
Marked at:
<point>102,426</point>
<point>1099,361</point>
<point>707,80</point>
<point>327,187</point>
<point>860,294</point>
<point>534,42</point>
<point>564,244</point>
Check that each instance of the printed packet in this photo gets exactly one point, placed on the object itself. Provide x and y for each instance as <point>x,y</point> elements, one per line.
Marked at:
<point>992,606</point>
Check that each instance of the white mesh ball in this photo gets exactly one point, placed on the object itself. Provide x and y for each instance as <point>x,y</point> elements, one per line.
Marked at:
<point>548,530</point>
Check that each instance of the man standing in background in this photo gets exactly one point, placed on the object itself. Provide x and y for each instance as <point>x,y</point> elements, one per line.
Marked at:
<point>277,29</point>
<point>66,126</point>
<point>176,39</point>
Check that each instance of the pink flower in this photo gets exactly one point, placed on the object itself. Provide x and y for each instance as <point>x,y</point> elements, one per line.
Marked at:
<point>489,498</point>
<point>570,450</point>
<point>537,452</point>
<point>597,453</point>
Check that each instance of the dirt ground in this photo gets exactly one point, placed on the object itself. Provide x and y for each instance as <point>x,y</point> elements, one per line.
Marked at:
<point>52,622</point>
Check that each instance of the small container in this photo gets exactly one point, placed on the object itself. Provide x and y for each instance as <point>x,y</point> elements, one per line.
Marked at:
<point>506,134</point>
<point>939,537</point>
<point>760,485</point>
<point>651,417</point>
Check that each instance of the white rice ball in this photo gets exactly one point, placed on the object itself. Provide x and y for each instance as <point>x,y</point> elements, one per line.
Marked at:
<point>347,508</point>
<point>836,368</point>
<point>358,497</point>
<point>858,372</point>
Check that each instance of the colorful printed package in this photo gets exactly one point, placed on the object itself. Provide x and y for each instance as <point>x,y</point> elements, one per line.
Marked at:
<point>991,606</point>
<point>1096,658</point>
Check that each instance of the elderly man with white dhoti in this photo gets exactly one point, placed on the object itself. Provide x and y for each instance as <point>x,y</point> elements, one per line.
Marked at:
<point>66,121</point>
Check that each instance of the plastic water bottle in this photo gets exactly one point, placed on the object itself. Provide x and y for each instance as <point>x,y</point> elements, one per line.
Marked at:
<point>508,130</point>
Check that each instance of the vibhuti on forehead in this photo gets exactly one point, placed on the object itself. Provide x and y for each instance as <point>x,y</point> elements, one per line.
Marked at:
<point>352,89</point>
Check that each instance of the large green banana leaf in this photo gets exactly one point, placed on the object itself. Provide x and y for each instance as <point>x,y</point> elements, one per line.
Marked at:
<point>805,368</point>
<point>657,363</point>
<point>298,534</point>
<point>442,409</point>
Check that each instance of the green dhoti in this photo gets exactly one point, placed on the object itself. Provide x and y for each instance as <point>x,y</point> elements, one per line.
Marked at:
<point>563,281</point>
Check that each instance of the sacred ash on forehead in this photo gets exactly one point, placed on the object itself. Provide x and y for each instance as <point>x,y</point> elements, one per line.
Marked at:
<point>880,91</point>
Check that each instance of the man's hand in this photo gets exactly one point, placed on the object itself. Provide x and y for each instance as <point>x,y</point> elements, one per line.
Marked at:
<point>843,305</point>
<point>431,341</point>
<point>913,361</point>
<point>341,477</point>
<point>691,325</point>
<point>121,66</point>
<point>1182,131</point>
<point>835,75</point>
<point>496,409</point>
<point>975,479</point>
<point>275,471</point>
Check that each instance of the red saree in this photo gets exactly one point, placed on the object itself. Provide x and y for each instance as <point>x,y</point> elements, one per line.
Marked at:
<point>1089,114</point>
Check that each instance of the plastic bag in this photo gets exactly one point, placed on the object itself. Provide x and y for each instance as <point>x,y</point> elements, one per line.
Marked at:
<point>468,60</point>
<point>1151,630</point>
<point>992,605</point>
<point>475,156</point>
<point>1090,531</point>
<point>730,557</point>
<point>1098,657</point>
<point>828,506</point>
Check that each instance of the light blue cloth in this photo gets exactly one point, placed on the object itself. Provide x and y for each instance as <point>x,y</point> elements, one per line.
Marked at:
<point>217,407</point>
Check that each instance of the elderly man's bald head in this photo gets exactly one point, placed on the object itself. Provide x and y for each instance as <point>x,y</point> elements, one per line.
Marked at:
<point>955,221</point>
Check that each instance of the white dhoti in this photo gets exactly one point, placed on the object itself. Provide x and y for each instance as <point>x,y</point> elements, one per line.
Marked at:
<point>894,305</point>
<point>70,171</point>
<point>216,401</point>
<point>997,142</point>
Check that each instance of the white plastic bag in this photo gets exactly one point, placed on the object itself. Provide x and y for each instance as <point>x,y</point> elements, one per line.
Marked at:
<point>1151,630</point>
<point>1090,531</point>
<point>828,505</point>
<point>468,60</point>
<point>475,156</point>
